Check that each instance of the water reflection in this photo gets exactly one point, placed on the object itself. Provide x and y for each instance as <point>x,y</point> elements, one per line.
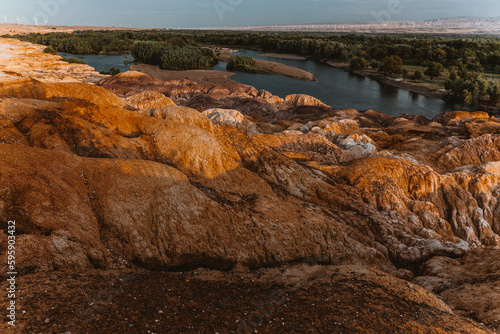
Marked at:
<point>387,90</point>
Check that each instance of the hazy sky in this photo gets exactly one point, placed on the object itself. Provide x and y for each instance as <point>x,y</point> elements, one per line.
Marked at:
<point>220,13</point>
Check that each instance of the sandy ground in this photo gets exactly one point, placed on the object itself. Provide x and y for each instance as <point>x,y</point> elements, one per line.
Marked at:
<point>13,29</point>
<point>286,70</point>
<point>227,51</point>
<point>199,76</point>
<point>282,56</point>
<point>281,69</point>
<point>221,77</point>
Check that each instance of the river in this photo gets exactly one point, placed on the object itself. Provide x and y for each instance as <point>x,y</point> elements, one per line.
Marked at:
<point>102,62</point>
<point>334,87</point>
<point>341,89</point>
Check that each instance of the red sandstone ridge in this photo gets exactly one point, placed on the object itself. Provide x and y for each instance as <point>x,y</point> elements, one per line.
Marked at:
<point>138,174</point>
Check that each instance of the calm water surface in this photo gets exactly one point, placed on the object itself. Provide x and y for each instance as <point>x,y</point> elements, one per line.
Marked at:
<point>102,62</point>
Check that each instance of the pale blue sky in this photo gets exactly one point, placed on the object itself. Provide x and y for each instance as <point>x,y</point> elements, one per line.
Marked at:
<point>220,13</point>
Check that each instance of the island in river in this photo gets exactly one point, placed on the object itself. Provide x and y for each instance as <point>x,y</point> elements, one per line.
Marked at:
<point>222,77</point>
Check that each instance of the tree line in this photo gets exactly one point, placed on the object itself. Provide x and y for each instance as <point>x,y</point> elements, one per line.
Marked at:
<point>477,53</point>
<point>87,42</point>
<point>168,50</point>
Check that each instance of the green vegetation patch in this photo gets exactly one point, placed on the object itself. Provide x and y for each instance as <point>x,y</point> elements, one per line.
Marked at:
<point>245,64</point>
<point>73,61</point>
<point>176,58</point>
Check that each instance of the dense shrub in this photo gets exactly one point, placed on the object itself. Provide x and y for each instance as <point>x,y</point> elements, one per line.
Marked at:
<point>358,63</point>
<point>434,70</point>
<point>170,57</point>
<point>391,65</point>
<point>73,61</point>
<point>245,64</point>
<point>417,75</point>
<point>112,71</point>
<point>50,50</point>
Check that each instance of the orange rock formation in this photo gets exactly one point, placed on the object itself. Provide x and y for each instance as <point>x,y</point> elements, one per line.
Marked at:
<point>117,175</point>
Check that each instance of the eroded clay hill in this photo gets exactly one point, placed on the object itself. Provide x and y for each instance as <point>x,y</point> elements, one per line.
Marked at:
<point>163,175</point>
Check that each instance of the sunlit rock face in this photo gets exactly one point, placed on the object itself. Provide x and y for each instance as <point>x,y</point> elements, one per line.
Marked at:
<point>148,100</point>
<point>22,59</point>
<point>102,176</point>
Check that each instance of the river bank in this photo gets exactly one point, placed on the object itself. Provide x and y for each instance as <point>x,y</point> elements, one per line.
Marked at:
<point>282,56</point>
<point>222,77</point>
<point>410,86</point>
<point>280,69</point>
<point>405,85</point>
<point>372,74</point>
<point>198,76</point>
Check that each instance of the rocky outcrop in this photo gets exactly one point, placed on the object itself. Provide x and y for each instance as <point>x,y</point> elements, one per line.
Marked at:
<point>148,100</point>
<point>419,213</point>
<point>22,59</point>
<point>297,100</point>
<point>231,117</point>
<point>243,98</point>
<point>470,285</point>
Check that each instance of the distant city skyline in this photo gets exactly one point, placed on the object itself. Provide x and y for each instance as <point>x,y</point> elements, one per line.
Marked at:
<point>231,13</point>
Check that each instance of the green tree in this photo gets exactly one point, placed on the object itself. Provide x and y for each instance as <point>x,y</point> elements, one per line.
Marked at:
<point>374,64</point>
<point>417,75</point>
<point>463,72</point>
<point>169,57</point>
<point>244,64</point>
<point>471,91</point>
<point>494,92</point>
<point>453,75</point>
<point>434,70</point>
<point>112,71</point>
<point>391,65</point>
<point>358,63</point>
